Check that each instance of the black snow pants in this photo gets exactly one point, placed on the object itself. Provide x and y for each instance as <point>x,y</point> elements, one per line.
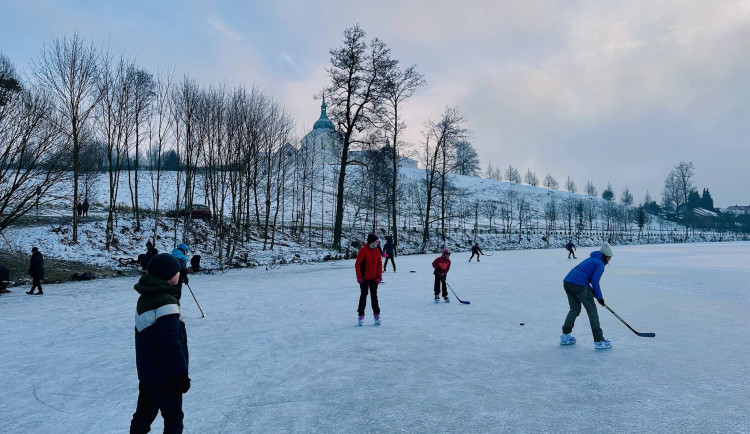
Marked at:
<point>151,399</point>
<point>372,287</point>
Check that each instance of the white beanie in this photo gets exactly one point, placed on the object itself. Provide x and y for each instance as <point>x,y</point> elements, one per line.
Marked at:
<point>606,249</point>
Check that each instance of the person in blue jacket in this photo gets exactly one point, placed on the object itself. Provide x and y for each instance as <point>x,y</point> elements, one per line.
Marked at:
<point>161,349</point>
<point>180,253</point>
<point>582,286</point>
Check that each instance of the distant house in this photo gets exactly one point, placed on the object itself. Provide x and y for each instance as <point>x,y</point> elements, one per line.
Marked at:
<point>739,209</point>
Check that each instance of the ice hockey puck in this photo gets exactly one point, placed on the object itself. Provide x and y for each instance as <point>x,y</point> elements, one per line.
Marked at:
<point>521,324</point>
<point>412,271</point>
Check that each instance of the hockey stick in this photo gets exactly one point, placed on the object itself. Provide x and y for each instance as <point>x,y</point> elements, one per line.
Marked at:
<point>454,293</point>
<point>203,315</point>
<point>643,335</point>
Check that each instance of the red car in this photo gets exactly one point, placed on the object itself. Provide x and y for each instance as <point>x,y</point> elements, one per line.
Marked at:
<point>198,212</point>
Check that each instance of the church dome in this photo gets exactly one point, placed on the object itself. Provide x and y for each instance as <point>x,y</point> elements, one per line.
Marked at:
<point>323,122</point>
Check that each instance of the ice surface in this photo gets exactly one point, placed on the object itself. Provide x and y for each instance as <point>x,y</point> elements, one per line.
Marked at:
<point>279,350</point>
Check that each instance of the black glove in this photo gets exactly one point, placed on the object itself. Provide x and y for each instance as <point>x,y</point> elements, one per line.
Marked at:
<point>186,279</point>
<point>601,301</point>
<point>181,384</point>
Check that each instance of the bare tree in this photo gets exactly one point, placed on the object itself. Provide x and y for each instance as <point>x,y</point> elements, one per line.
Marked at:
<point>677,188</point>
<point>443,134</point>
<point>143,97</point>
<point>550,182</point>
<point>590,189</point>
<point>68,70</point>
<point>358,72</point>
<point>31,156</point>
<point>531,178</point>
<point>160,132</point>
<point>400,86</point>
<point>112,119</point>
<point>570,185</point>
<point>512,175</point>
<point>491,209</point>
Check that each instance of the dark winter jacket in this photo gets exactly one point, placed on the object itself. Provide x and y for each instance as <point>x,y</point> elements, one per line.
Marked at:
<point>369,265</point>
<point>442,264</point>
<point>570,246</point>
<point>389,248</point>
<point>161,349</point>
<point>36,266</point>
<point>144,258</point>
<point>475,250</point>
<point>588,273</point>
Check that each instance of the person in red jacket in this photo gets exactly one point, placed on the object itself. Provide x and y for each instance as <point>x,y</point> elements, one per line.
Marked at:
<point>369,269</point>
<point>441,266</point>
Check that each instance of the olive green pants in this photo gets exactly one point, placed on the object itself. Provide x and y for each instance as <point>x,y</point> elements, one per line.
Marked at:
<point>578,295</point>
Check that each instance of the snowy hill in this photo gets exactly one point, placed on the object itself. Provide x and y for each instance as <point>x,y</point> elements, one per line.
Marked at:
<point>52,232</point>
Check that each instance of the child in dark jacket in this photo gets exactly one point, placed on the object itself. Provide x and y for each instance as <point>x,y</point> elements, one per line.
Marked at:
<point>369,268</point>
<point>161,350</point>
<point>441,266</point>
<point>389,252</point>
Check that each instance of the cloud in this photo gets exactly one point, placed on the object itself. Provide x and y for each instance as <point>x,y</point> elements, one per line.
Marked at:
<point>287,58</point>
<point>219,25</point>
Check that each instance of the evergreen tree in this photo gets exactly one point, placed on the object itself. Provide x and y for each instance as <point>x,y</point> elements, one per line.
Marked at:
<point>608,194</point>
<point>707,202</point>
<point>694,199</point>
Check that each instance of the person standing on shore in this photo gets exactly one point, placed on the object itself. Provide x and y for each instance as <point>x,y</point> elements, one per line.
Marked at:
<point>36,271</point>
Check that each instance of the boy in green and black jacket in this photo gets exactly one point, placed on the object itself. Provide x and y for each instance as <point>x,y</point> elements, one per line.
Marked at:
<point>161,350</point>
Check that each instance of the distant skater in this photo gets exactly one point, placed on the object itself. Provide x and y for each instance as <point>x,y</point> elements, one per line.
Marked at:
<point>441,266</point>
<point>180,253</point>
<point>368,268</point>
<point>79,209</point>
<point>582,286</point>
<point>86,208</point>
<point>571,248</point>
<point>36,271</point>
<point>475,250</point>
<point>389,252</point>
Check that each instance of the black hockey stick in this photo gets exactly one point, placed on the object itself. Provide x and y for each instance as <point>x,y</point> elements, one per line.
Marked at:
<point>454,293</point>
<point>643,335</point>
<point>196,300</point>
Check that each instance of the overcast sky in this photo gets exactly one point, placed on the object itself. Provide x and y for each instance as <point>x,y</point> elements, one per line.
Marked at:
<point>608,91</point>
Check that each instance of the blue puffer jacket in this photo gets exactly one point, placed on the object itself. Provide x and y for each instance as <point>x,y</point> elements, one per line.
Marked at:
<point>181,258</point>
<point>588,273</point>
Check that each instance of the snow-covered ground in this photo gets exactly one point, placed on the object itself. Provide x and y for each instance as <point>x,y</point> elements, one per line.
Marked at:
<point>279,350</point>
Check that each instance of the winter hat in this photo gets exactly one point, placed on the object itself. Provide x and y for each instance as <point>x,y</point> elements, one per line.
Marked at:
<point>446,252</point>
<point>606,249</point>
<point>34,249</point>
<point>183,247</point>
<point>372,238</point>
<point>164,266</point>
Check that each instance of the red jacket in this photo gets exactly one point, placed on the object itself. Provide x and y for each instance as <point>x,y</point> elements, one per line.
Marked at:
<point>443,263</point>
<point>369,266</point>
